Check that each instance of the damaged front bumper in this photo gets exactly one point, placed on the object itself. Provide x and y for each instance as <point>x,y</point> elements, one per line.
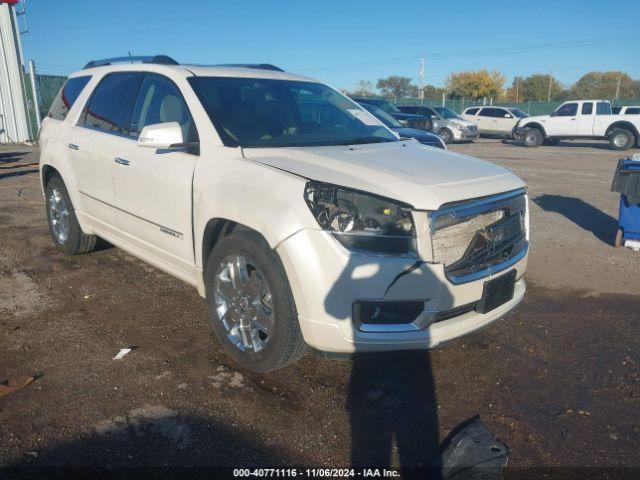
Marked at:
<point>326,280</point>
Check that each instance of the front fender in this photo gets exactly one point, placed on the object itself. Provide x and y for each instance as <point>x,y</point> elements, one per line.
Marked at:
<point>263,198</point>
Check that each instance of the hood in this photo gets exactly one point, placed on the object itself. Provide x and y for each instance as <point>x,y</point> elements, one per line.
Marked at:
<point>535,118</point>
<point>420,135</point>
<point>407,116</point>
<point>421,176</point>
<point>463,121</point>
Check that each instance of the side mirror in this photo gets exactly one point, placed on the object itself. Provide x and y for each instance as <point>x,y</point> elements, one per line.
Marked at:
<point>507,115</point>
<point>162,135</point>
<point>554,114</point>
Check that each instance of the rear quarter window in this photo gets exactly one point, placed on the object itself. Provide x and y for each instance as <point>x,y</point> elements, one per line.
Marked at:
<point>472,111</point>
<point>67,96</point>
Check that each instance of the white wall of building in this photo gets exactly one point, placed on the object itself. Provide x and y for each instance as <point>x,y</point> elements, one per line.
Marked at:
<point>13,105</point>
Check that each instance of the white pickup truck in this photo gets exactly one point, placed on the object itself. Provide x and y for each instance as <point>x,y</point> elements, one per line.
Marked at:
<point>580,119</point>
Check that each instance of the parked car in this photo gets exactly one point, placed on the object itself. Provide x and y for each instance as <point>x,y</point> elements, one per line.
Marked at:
<point>580,119</point>
<point>423,137</point>
<point>626,110</point>
<point>419,122</point>
<point>445,122</point>
<point>298,216</point>
<point>496,120</point>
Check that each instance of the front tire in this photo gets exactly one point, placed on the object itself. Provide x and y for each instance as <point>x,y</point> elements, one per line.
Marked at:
<point>446,135</point>
<point>621,139</point>
<point>251,305</point>
<point>63,223</point>
<point>532,137</point>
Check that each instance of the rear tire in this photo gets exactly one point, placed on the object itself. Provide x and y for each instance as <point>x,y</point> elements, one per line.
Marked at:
<point>532,137</point>
<point>251,305</point>
<point>63,223</point>
<point>446,135</point>
<point>621,139</point>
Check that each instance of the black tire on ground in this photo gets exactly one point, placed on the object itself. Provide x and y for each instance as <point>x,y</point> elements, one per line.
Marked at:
<point>75,241</point>
<point>532,137</point>
<point>619,236</point>
<point>621,139</point>
<point>551,142</point>
<point>446,135</point>
<point>285,343</point>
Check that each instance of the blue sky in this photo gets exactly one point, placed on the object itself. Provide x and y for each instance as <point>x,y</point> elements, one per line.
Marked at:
<point>342,42</point>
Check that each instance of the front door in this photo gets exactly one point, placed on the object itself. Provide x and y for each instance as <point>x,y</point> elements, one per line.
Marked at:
<point>153,187</point>
<point>563,122</point>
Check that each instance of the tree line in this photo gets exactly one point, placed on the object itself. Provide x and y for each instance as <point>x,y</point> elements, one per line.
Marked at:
<point>483,84</point>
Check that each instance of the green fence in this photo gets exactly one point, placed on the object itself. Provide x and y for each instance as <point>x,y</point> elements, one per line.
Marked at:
<point>532,108</point>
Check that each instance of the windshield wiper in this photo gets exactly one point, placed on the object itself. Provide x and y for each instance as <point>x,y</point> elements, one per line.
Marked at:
<point>362,140</point>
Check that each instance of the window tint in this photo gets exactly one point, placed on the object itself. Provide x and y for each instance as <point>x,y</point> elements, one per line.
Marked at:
<point>616,109</point>
<point>160,101</point>
<point>567,110</point>
<point>410,109</point>
<point>587,108</point>
<point>472,111</point>
<point>109,108</point>
<point>603,108</point>
<point>67,96</point>
<point>489,112</point>
<point>632,111</point>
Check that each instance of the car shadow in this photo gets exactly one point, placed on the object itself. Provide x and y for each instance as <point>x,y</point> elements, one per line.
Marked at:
<point>391,399</point>
<point>583,214</point>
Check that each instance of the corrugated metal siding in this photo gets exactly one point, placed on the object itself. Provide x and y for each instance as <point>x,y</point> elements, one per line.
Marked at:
<point>13,106</point>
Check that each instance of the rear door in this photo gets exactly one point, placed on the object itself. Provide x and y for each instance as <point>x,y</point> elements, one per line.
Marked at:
<point>98,134</point>
<point>153,187</point>
<point>585,119</point>
<point>485,120</point>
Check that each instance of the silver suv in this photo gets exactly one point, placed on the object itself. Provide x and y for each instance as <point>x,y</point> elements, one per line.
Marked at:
<point>448,124</point>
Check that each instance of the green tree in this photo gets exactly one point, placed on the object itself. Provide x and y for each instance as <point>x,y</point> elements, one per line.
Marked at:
<point>396,87</point>
<point>430,91</point>
<point>540,86</point>
<point>605,85</point>
<point>475,84</point>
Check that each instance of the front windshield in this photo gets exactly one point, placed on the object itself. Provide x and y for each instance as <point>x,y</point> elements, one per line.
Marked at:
<point>383,116</point>
<point>258,112</point>
<point>518,113</point>
<point>388,107</point>
<point>445,112</point>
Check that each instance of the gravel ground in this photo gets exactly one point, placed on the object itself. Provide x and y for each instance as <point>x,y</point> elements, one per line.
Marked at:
<point>557,380</point>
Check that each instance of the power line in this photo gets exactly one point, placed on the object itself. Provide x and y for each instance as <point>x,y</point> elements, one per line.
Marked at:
<point>547,46</point>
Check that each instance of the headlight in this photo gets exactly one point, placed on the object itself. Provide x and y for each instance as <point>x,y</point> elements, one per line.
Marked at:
<point>461,126</point>
<point>362,221</point>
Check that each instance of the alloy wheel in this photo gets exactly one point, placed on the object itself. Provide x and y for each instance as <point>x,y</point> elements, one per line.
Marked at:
<point>59,216</point>
<point>243,303</point>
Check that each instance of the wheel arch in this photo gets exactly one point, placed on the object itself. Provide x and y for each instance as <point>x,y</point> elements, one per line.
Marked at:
<point>537,126</point>
<point>622,124</point>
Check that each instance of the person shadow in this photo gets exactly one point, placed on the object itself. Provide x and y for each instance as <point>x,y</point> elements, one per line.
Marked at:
<point>391,401</point>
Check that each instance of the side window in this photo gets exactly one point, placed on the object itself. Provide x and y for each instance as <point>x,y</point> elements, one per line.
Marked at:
<point>410,110</point>
<point>429,112</point>
<point>160,101</point>
<point>67,97</point>
<point>587,108</point>
<point>567,110</point>
<point>472,111</point>
<point>109,108</point>
<point>632,111</point>
<point>502,113</point>
<point>486,112</point>
<point>603,108</point>
<point>616,110</point>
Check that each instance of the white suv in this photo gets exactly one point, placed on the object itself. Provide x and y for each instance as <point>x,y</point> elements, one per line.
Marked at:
<point>298,216</point>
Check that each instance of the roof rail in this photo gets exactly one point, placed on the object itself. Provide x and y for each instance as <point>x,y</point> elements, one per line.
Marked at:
<point>257,66</point>
<point>157,59</point>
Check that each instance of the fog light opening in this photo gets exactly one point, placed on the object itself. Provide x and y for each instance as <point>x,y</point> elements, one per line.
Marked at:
<point>386,313</point>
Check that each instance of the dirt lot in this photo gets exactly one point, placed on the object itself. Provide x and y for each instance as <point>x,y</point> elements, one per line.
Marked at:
<point>558,380</point>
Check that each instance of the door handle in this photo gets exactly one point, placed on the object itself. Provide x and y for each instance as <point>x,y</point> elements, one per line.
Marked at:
<point>121,161</point>
<point>73,146</point>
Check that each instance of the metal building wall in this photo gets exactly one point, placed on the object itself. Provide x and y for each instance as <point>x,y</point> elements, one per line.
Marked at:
<point>13,105</point>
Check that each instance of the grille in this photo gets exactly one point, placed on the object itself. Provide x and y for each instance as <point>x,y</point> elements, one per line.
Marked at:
<point>472,236</point>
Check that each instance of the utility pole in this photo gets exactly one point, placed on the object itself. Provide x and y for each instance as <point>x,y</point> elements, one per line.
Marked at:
<point>618,90</point>
<point>35,94</point>
<point>517,92</point>
<point>549,93</point>
<point>421,76</point>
